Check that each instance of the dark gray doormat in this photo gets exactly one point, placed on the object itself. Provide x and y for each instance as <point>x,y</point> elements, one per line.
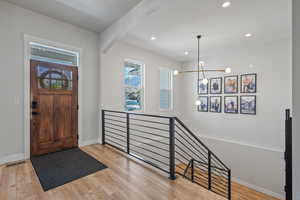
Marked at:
<point>56,169</point>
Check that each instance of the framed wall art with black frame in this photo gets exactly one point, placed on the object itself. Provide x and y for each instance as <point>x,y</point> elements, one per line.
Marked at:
<point>231,84</point>
<point>203,107</point>
<point>248,104</point>
<point>215,103</point>
<point>231,104</point>
<point>216,85</point>
<point>248,83</point>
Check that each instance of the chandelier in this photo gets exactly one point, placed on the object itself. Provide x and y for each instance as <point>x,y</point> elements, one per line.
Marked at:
<point>200,70</point>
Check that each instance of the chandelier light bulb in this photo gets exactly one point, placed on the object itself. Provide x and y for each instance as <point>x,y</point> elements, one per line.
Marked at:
<point>197,102</point>
<point>175,72</point>
<point>228,70</point>
<point>205,81</point>
<point>201,63</point>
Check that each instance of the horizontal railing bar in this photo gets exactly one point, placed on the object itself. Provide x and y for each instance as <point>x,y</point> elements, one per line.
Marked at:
<point>114,120</point>
<point>215,167</point>
<point>143,120</point>
<point>109,131</point>
<point>115,116</point>
<point>182,156</point>
<point>189,149</point>
<point>119,139</point>
<point>183,151</point>
<point>148,139</point>
<point>150,127</point>
<point>202,185</point>
<point>148,162</point>
<point>115,129</point>
<point>116,143</point>
<point>149,151</point>
<point>115,125</point>
<point>115,147</point>
<point>139,153</point>
<point>138,114</point>
<point>192,146</point>
<point>217,163</point>
<point>222,192</point>
<point>149,145</point>
<point>204,150</point>
<point>186,128</point>
<point>137,130</point>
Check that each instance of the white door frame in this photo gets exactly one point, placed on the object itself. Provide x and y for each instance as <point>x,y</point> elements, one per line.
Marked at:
<point>27,40</point>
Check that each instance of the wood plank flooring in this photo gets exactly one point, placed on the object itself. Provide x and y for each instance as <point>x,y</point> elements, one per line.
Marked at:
<point>125,178</point>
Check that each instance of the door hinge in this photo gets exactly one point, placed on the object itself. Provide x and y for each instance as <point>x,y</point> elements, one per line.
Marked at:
<point>77,107</point>
<point>77,137</point>
<point>77,78</point>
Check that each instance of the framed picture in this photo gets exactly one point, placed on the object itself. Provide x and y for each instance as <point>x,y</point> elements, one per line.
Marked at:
<point>202,88</point>
<point>231,104</point>
<point>216,85</point>
<point>248,83</point>
<point>248,105</point>
<point>203,107</point>
<point>231,84</point>
<point>216,104</point>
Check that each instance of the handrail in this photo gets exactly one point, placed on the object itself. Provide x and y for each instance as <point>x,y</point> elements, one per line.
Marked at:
<point>138,114</point>
<point>145,143</point>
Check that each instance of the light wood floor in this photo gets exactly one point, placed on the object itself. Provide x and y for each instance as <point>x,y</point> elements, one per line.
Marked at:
<point>124,179</point>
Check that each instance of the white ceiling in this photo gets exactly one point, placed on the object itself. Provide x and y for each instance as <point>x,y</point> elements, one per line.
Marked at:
<point>95,15</point>
<point>177,24</point>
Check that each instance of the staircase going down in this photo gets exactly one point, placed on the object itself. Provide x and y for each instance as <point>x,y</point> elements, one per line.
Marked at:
<point>167,144</point>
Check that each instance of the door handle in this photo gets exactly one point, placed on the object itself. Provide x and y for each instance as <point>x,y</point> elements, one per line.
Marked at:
<point>34,104</point>
<point>34,113</point>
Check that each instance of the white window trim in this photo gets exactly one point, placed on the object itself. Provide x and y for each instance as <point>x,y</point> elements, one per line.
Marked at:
<point>142,86</point>
<point>171,89</point>
<point>31,39</point>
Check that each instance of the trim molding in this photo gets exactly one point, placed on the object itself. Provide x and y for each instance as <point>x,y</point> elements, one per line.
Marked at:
<point>242,144</point>
<point>11,158</point>
<point>259,189</point>
<point>89,142</point>
<point>26,48</point>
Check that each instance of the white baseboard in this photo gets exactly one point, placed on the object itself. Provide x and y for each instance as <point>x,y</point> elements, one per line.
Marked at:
<point>257,188</point>
<point>12,158</point>
<point>88,142</point>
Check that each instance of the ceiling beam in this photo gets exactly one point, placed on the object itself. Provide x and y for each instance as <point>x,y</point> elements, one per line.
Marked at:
<point>126,23</point>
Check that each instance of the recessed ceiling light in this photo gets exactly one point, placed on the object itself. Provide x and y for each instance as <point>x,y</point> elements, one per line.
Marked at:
<point>186,53</point>
<point>226,4</point>
<point>248,35</point>
<point>153,38</point>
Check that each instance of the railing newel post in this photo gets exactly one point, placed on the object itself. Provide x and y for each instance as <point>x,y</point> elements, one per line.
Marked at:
<point>128,132</point>
<point>172,148</point>
<point>209,170</point>
<point>229,184</point>
<point>103,126</point>
<point>193,172</point>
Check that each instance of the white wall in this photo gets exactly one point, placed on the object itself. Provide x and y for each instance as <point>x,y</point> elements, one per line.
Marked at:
<point>251,145</point>
<point>296,99</point>
<point>112,77</point>
<point>14,23</point>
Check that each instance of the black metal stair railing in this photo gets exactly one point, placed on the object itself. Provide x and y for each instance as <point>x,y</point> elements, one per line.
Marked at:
<point>167,144</point>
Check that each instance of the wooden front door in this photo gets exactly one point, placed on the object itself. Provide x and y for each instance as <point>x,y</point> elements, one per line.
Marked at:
<point>54,118</point>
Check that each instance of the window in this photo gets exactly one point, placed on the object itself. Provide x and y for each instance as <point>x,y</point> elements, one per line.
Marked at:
<point>45,53</point>
<point>134,85</point>
<point>54,78</point>
<point>166,96</point>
